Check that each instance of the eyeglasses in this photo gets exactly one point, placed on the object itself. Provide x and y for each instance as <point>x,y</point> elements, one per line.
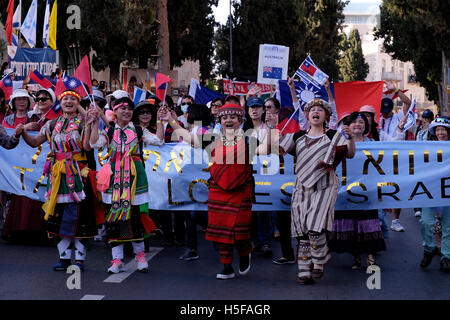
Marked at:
<point>43,99</point>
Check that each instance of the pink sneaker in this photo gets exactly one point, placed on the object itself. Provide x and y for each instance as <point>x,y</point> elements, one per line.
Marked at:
<point>141,260</point>
<point>116,266</point>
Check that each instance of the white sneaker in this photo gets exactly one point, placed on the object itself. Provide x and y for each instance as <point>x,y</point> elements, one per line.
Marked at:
<point>142,263</point>
<point>396,226</point>
<point>418,214</point>
<point>116,266</point>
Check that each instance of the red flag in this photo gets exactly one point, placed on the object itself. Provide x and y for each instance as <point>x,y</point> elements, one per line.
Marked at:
<point>9,21</point>
<point>161,82</point>
<point>351,96</point>
<point>7,86</point>
<point>292,127</point>
<point>40,79</point>
<point>83,72</point>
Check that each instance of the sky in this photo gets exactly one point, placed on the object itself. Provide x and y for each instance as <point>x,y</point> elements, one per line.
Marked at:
<point>222,11</point>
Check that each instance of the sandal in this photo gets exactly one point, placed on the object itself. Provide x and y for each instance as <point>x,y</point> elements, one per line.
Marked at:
<point>357,265</point>
<point>317,273</point>
<point>305,280</point>
<point>371,261</point>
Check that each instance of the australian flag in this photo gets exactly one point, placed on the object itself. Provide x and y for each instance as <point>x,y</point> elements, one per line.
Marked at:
<point>272,73</point>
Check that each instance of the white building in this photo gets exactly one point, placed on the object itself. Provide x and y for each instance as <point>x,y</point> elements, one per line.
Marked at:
<point>365,17</point>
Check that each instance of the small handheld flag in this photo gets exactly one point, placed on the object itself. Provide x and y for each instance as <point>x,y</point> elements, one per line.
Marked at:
<point>161,82</point>
<point>40,79</point>
<point>6,85</point>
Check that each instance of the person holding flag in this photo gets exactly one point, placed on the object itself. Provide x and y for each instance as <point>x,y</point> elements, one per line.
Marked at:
<point>71,209</point>
<point>318,150</point>
<point>388,132</point>
<point>123,181</point>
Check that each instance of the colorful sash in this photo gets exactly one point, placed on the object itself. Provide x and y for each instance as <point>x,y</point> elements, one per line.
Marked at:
<point>124,144</point>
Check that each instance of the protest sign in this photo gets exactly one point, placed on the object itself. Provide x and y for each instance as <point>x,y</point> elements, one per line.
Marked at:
<point>273,63</point>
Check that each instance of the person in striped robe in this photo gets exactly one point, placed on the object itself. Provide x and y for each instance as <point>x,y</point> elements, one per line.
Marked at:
<point>318,153</point>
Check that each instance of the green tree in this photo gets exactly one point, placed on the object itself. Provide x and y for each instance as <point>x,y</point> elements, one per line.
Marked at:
<point>191,26</point>
<point>352,64</point>
<point>418,31</point>
<point>306,27</point>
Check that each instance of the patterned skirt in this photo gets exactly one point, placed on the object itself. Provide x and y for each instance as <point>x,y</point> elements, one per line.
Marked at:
<point>75,220</point>
<point>229,214</point>
<point>125,231</point>
<point>356,232</point>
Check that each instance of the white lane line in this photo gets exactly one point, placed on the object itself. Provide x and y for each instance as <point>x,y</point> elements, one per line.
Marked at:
<point>92,297</point>
<point>131,267</point>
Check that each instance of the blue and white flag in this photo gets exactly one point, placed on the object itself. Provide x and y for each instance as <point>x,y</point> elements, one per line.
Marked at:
<point>17,21</point>
<point>311,74</point>
<point>28,29</point>
<point>139,95</point>
<point>46,31</point>
<point>203,95</point>
<point>412,116</point>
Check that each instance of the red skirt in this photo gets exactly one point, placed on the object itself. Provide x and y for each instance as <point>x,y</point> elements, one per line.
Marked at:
<point>24,214</point>
<point>229,214</point>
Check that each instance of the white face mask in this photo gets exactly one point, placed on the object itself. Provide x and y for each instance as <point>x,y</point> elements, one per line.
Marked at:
<point>185,108</point>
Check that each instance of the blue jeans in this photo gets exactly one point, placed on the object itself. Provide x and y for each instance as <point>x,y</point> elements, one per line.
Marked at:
<point>262,221</point>
<point>428,220</point>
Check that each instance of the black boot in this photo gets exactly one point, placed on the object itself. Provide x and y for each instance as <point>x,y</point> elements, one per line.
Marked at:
<point>445,265</point>
<point>427,258</point>
<point>227,272</point>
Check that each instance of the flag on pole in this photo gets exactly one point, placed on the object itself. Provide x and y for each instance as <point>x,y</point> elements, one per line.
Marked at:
<point>7,86</point>
<point>46,31</point>
<point>9,21</point>
<point>139,95</point>
<point>17,22</point>
<point>28,28</point>
<point>412,116</point>
<point>203,95</point>
<point>52,26</point>
<point>351,96</point>
<point>305,93</point>
<point>83,72</point>
<point>161,82</point>
<point>40,79</point>
<point>311,74</point>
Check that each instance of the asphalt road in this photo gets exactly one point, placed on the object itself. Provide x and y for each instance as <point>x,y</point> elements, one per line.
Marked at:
<point>26,274</point>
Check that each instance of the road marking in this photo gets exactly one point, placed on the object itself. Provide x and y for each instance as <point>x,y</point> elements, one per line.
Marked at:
<point>131,267</point>
<point>92,297</point>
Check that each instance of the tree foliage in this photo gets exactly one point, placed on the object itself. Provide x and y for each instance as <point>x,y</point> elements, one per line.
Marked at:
<point>191,26</point>
<point>352,64</point>
<point>417,31</point>
<point>306,27</point>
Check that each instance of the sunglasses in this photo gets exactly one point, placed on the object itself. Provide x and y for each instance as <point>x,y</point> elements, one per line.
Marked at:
<point>42,99</point>
<point>145,112</point>
<point>216,105</point>
<point>442,120</point>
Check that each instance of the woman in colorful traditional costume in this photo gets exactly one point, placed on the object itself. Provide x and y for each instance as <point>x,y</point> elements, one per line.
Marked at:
<point>231,192</point>
<point>71,209</point>
<point>123,182</point>
<point>318,152</point>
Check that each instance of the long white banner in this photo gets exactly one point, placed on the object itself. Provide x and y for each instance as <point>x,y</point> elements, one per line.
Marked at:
<point>382,175</point>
